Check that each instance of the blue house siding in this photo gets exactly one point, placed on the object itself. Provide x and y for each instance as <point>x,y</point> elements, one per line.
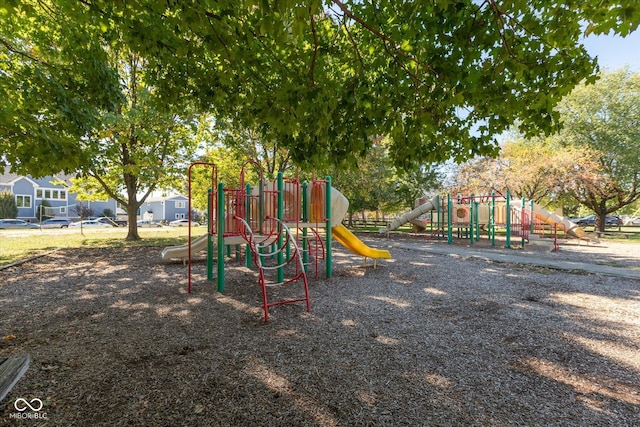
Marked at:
<point>30,192</point>
<point>99,206</point>
<point>176,208</point>
<point>165,209</point>
<point>56,196</point>
<point>24,194</point>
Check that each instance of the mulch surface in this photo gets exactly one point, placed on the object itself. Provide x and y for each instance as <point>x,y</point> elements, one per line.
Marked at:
<point>423,339</point>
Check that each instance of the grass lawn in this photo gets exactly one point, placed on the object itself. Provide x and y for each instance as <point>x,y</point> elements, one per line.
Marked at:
<point>19,244</point>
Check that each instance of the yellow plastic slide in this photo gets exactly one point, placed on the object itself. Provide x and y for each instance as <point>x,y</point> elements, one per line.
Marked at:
<point>355,245</point>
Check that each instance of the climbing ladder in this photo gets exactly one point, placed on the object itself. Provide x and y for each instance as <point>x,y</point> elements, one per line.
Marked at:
<point>313,249</point>
<point>520,222</point>
<point>266,248</point>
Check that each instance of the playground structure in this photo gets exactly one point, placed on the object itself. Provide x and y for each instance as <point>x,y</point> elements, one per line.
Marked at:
<point>469,216</point>
<point>282,226</point>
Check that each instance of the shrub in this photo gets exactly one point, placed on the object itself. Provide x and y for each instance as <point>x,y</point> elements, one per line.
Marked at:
<point>8,207</point>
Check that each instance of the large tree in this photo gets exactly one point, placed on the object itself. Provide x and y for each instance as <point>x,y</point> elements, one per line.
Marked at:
<point>76,98</point>
<point>142,146</point>
<point>441,78</point>
<point>603,122</point>
<point>247,143</point>
<point>374,184</point>
<point>535,169</point>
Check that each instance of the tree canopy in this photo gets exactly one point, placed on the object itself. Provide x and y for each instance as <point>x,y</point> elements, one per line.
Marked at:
<point>593,161</point>
<point>603,122</point>
<point>535,169</point>
<point>441,78</point>
<point>77,98</point>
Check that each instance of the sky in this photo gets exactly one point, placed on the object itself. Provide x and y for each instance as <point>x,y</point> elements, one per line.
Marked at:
<point>615,52</point>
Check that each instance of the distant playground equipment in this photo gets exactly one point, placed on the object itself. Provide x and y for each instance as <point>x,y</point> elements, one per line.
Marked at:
<point>279,224</point>
<point>469,216</point>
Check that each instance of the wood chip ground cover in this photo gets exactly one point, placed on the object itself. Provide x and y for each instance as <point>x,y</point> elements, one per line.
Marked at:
<point>424,339</point>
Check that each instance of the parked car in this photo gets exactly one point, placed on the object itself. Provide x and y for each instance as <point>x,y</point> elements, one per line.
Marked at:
<point>634,220</point>
<point>590,220</point>
<point>104,220</point>
<point>148,224</point>
<point>55,223</point>
<point>183,223</point>
<point>16,223</point>
<point>91,223</point>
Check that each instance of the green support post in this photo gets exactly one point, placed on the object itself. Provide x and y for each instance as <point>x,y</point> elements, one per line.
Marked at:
<point>305,218</point>
<point>209,239</point>
<point>261,206</point>
<point>532,227</point>
<point>522,216</point>
<point>471,218</point>
<point>477,221</point>
<point>449,229</point>
<point>508,219</point>
<point>329,260</point>
<point>438,215</point>
<point>280,214</point>
<point>220,216</point>
<point>492,219</point>
<point>247,250</point>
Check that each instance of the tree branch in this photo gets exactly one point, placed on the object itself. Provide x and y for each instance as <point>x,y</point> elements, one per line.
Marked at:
<point>388,41</point>
<point>315,46</point>
<point>17,51</point>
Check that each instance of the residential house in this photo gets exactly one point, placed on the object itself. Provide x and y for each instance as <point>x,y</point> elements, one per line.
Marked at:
<point>30,192</point>
<point>165,207</point>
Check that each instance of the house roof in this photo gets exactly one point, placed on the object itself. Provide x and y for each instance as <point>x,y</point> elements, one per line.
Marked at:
<point>8,178</point>
<point>165,198</point>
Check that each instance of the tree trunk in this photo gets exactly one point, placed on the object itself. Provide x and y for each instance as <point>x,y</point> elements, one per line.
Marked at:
<point>600,223</point>
<point>132,217</point>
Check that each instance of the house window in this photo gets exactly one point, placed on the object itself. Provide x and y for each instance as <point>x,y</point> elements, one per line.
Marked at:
<point>63,209</point>
<point>23,201</point>
<point>181,205</point>
<point>51,194</point>
<point>180,216</point>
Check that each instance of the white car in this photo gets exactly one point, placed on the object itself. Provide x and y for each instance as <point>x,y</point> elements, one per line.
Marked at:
<point>148,224</point>
<point>183,223</point>
<point>90,223</point>
<point>55,223</point>
<point>634,220</point>
<point>16,223</point>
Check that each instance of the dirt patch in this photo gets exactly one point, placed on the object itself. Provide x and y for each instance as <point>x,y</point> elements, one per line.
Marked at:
<point>424,339</point>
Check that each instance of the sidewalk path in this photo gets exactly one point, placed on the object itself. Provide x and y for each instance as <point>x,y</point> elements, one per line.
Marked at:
<point>512,257</point>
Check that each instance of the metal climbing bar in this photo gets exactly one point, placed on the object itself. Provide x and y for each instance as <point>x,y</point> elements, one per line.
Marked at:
<point>259,257</point>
